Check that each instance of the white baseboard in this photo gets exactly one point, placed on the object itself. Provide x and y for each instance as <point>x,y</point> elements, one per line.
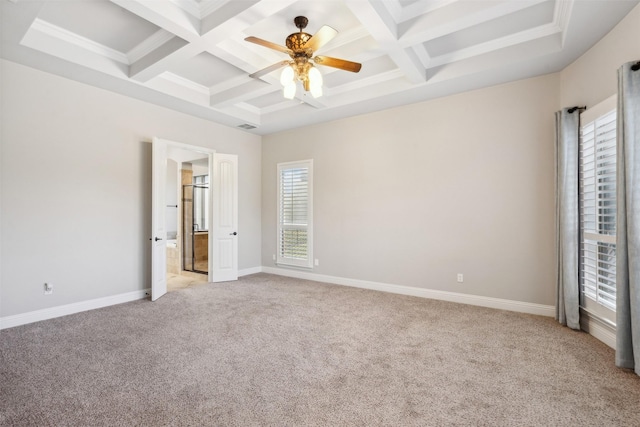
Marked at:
<point>64,310</point>
<point>498,303</point>
<point>598,329</point>
<point>248,271</point>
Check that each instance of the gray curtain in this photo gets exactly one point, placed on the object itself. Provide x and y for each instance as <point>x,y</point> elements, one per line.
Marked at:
<point>628,220</point>
<point>567,220</point>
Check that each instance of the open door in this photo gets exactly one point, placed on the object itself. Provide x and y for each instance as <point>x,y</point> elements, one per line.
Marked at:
<point>223,243</point>
<point>158,226</point>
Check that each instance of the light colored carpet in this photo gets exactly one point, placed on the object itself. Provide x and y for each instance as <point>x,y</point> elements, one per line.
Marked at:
<point>268,350</point>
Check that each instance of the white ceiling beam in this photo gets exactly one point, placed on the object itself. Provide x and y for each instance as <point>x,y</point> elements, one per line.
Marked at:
<point>166,15</point>
<point>52,40</point>
<point>235,16</point>
<point>225,15</point>
<point>375,16</point>
<point>163,59</point>
<point>418,8</point>
<point>147,46</point>
<point>242,115</point>
<point>179,87</point>
<point>252,88</point>
<point>173,19</point>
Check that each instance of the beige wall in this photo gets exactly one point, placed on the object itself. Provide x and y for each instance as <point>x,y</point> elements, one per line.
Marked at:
<point>414,195</point>
<point>76,168</point>
<point>593,77</point>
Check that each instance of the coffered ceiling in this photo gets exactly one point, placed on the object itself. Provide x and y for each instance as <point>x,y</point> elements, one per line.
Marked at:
<point>191,56</point>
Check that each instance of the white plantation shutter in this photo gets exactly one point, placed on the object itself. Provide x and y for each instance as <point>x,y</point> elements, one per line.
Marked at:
<point>598,210</point>
<point>295,213</point>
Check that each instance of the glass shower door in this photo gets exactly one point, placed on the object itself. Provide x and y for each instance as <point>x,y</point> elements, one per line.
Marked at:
<point>195,244</point>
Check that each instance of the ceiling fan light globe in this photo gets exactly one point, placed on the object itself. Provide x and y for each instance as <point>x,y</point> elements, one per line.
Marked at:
<point>315,77</point>
<point>290,90</point>
<point>287,76</point>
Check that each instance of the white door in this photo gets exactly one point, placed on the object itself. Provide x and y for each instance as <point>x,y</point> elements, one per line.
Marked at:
<point>158,226</point>
<point>223,247</point>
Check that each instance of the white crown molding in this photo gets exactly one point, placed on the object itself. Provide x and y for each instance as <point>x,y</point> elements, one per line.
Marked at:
<point>375,79</point>
<point>421,8</point>
<point>494,45</point>
<point>67,36</point>
<point>348,37</point>
<point>189,6</point>
<point>230,84</point>
<point>186,83</point>
<point>207,7</point>
<point>561,16</point>
<point>148,45</point>
<point>477,300</point>
<point>64,310</point>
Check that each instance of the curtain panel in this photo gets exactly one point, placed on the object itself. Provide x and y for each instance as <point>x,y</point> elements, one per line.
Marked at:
<point>628,219</point>
<point>567,219</point>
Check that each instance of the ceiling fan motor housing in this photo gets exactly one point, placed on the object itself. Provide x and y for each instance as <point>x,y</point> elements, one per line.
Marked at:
<point>296,41</point>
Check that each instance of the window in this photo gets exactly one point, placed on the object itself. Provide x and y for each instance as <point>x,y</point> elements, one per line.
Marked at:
<point>295,185</point>
<point>597,170</point>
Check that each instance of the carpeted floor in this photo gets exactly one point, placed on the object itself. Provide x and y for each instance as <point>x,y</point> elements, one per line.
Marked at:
<point>269,350</point>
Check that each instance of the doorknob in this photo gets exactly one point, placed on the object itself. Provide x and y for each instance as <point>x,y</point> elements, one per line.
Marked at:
<point>235,233</point>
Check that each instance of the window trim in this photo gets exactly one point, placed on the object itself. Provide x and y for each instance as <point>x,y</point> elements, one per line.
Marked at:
<point>284,261</point>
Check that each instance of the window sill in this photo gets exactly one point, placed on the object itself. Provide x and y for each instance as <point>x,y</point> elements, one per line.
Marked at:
<point>294,266</point>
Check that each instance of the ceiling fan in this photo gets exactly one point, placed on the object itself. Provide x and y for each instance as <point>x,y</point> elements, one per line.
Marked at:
<point>301,47</point>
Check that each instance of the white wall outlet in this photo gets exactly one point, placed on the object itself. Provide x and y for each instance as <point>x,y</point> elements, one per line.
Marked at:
<point>273,257</point>
<point>460,277</point>
<point>48,288</point>
<point>316,262</point>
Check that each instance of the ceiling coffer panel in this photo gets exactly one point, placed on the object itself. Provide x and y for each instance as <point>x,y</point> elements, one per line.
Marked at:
<point>100,21</point>
<point>526,19</point>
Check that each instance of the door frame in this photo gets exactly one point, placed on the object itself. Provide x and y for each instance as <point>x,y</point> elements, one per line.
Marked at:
<point>160,193</point>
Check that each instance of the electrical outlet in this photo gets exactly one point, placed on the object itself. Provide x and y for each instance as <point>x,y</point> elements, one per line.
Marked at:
<point>48,288</point>
<point>460,278</point>
<point>316,262</point>
<point>273,257</point>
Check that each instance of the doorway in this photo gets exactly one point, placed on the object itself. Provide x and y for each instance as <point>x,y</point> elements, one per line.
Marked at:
<point>187,218</point>
<point>216,178</point>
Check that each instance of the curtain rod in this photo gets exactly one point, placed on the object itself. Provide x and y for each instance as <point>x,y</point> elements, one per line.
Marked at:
<point>636,66</point>
<point>572,109</point>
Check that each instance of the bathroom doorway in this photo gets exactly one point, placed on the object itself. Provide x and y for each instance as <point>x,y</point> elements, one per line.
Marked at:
<point>187,218</point>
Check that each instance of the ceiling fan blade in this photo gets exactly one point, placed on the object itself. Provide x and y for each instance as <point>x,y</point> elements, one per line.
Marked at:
<point>270,45</point>
<point>322,37</point>
<point>342,64</point>
<point>269,69</point>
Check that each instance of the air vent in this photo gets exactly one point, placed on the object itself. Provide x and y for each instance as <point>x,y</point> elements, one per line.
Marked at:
<point>247,126</point>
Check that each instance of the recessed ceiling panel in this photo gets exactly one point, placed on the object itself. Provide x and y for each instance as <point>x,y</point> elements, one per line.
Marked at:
<point>100,21</point>
<point>267,100</point>
<point>503,26</point>
<point>206,70</point>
